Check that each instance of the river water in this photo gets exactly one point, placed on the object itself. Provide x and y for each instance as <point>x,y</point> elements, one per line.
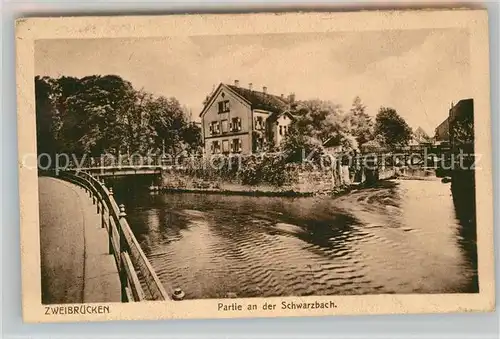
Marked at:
<point>400,237</point>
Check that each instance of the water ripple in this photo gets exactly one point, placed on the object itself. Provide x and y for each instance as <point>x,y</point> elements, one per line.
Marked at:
<point>371,241</point>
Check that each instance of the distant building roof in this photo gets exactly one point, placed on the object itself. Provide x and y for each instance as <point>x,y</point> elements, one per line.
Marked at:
<point>333,141</point>
<point>261,100</point>
<point>275,115</point>
<point>463,108</point>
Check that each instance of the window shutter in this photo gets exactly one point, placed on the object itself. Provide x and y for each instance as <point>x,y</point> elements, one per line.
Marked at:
<point>231,126</point>
<point>239,124</point>
<point>212,147</point>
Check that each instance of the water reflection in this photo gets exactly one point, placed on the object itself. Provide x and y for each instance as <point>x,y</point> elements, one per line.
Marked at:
<point>399,237</point>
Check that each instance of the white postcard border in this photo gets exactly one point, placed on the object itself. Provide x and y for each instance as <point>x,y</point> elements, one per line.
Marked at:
<point>32,29</point>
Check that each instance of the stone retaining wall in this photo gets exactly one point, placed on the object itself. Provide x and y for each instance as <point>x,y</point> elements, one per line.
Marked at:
<point>302,181</point>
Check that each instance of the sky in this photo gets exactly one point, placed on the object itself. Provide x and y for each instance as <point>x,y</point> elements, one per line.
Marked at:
<point>417,72</point>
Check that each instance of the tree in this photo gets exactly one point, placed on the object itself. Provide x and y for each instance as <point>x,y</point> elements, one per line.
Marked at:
<point>104,114</point>
<point>45,115</point>
<point>97,115</point>
<point>391,128</point>
<point>191,135</point>
<point>359,123</point>
<point>168,120</point>
<point>297,146</point>
<point>318,119</point>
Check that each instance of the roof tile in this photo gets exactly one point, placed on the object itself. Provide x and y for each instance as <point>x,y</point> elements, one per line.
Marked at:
<point>261,100</point>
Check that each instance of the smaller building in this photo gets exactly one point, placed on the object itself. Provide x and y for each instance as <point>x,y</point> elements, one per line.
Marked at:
<point>461,125</point>
<point>442,132</point>
<point>333,145</point>
<point>458,127</point>
<point>278,125</point>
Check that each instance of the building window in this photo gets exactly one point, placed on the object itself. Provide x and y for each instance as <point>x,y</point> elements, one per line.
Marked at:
<point>215,147</point>
<point>214,127</point>
<point>235,125</point>
<point>225,146</point>
<point>223,106</point>
<point>224,126</point>
<point>236,145</point>
<point>281,130</point>
<point>259,123</point>
<point>259,144</point>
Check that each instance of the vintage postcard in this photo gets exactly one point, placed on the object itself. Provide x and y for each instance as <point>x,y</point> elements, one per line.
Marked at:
<point>255,165</point>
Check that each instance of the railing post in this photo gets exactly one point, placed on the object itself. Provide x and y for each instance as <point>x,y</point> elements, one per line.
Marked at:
<point>122,216</point>
<point>103,204</point>
<point>122,271</point>
<point>90,192</point>
<point>178,294</point>
<point>99,203</point>
<point>110,226</point>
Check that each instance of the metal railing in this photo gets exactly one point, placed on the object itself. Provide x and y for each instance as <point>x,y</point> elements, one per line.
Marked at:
<point>130,260</point>
<point>117,162</point>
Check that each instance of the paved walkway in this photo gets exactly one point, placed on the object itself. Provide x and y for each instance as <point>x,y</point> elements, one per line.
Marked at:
<point>75,263</point>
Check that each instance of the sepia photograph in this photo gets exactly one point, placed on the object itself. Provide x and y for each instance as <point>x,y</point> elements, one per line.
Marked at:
<point>259,165</point>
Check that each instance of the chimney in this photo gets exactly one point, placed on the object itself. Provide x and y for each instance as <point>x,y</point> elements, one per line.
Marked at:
<point>250,86</point>
<point>291,97</point>
<point>282,96</point>
<point>237,83</point>
<point>264,89</point>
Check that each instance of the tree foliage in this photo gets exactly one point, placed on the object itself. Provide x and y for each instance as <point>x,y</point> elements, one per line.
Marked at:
<point>358,123</point>
<point>105,114</point>
<point>391,128</point>
<point>316,122</point>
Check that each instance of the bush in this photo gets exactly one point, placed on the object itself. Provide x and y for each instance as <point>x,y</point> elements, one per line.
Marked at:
<point>265,169</point>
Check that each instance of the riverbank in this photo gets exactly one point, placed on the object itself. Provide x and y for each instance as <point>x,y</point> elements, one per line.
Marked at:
<point>301,182</point>
<point>262,190</point>
<point>306,185</point>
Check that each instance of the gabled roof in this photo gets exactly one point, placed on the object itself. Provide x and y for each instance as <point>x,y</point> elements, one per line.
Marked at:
<point>275,115</point>
<point>256,99</point>
<point>332,141</point>
<point>261,100</point>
